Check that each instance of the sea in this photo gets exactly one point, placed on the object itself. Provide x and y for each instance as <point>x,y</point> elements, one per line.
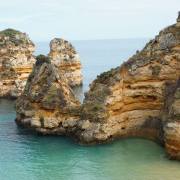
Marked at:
<point>26,156</point>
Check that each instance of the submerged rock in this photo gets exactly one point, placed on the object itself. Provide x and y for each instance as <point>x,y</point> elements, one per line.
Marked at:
<point>16,62</point>
<point>64,55</point>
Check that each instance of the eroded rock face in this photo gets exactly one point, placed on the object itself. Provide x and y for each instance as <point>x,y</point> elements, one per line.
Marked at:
<point>16,62</point>
<point>171,120</point>
<point>138,99</point>
<point>127,101</point>
<point>47,104</point>
<point>64,55</point>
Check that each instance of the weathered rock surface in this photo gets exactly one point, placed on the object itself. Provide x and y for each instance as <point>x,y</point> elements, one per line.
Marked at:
<point>132,100</point>
<point>171,120</point>
<point>47,104</point>
<point>127,101</point>
<point>64,55</point>
<point>16,62</point>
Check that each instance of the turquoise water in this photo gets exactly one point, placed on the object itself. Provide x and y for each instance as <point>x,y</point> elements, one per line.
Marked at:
<point>29,157</point>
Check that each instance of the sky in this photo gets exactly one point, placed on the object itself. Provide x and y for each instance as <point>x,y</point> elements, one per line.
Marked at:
<point>88,19</point>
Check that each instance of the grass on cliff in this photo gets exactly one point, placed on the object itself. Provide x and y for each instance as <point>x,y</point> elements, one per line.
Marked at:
<point>16,37</point>
<point>10,32</point>
<point>42,59</point>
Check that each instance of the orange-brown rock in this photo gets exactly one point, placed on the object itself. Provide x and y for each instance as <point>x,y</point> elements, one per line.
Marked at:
<point>47,104</point>
<point>16,62</point>
<point>64,55</point>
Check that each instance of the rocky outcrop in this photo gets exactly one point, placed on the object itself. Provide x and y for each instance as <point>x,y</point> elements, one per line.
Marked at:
<point>64,55</point>
<point>138,99</point>
<point>171,120</point>
<point>127,101</point>
<point>16,62</point>
<point>47,104</point>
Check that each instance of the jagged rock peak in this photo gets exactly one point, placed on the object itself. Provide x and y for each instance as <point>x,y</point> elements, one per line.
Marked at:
<point>16,61</point>
<point>62,50</point>
<point>64,55</point>
<point>47,102</point>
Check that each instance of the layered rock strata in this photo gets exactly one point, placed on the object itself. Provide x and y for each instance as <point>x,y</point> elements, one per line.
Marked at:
<point>47,104</point>
<point>132,100</point>
<point>16,62</point>
<point>64,55</point>
<point>127,101</point>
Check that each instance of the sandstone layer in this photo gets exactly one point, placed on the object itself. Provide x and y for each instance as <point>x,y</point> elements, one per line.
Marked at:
<point>16,62</point>
<point>64,55</point>
<point>132,100</point>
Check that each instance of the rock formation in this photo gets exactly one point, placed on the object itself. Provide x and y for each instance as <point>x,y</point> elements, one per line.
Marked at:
<point>138,99</point>
<point>47,103</point>
<point>16,62</point>
<point>64,55</point>
<point>171,120</point>
<point>127,101</point>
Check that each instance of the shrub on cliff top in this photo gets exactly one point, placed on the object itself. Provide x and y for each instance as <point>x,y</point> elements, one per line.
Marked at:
<point>9,32</point>
<point>42,59</point>
<point>16,37</point>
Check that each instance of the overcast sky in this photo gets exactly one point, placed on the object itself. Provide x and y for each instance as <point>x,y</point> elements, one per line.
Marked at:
<point>88,19</point>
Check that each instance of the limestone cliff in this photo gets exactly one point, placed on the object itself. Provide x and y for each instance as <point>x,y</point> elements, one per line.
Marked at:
<point>127,101</point>
<point>132,100</point>
<point>47,104</point>
<point>64,55</point>
<point>16,61</point>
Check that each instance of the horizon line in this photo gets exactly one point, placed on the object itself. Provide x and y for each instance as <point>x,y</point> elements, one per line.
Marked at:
<point>132,38</point>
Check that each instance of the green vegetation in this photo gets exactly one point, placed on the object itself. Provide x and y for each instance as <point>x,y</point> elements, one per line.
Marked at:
<point>42,59</point>
<point>106,76</point>
<point>52,93</point>
<point>155,70</point>
<point>12,34</point>
<point>177,94</point>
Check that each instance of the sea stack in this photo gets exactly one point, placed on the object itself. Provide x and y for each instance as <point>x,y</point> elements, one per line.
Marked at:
<point>65,57</point>
<point>47,104</point>
<point>16,62</point>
